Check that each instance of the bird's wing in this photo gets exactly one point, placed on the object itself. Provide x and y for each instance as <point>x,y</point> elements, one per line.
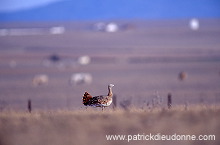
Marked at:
<point>99,100</point>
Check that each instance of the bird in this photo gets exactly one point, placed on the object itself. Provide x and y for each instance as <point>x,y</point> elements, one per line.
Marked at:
<point>99,101</point>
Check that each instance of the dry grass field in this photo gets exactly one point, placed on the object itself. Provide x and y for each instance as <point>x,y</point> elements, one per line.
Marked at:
<point>145,63</point>
<point>90,126</point>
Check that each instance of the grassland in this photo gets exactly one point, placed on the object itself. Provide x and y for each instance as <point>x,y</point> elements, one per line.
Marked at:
<point>143,64</point>
<point>90,126</point>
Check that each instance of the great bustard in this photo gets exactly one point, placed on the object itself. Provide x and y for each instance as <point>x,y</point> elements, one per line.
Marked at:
<point>98,101</point>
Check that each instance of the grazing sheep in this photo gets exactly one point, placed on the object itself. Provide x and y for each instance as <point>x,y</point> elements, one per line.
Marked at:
<point>41,79</point>
<point>182,75</point>
<point>194,24</point>
<point>84,60</point>
<point>55,58</point>
<point>81,78</point>
<point>111,27</point>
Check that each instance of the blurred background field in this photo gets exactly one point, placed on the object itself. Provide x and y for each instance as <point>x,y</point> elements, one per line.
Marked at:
<point>142,61</point>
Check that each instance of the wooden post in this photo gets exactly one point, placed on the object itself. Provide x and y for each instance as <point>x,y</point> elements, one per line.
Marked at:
<point>29,106</point>
<point>169,101</point>
<point>114,101</point>
<point>186,105</point>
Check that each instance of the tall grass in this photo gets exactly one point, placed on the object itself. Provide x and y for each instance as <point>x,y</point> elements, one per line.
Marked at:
<point>90,126</point>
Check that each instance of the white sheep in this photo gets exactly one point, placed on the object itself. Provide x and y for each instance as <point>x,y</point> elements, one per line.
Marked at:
<point>84,60</point>
<point>81,78</point>
<point>40,79</point>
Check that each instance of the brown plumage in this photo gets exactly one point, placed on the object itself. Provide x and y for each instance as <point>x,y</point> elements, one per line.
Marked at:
<point>86,98</point>
<point>98,101</point>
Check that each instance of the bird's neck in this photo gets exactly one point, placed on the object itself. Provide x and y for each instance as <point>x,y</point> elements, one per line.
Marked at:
<point>110,92</point>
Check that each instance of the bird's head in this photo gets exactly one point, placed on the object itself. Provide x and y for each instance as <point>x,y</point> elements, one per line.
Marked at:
<point>111,85</point>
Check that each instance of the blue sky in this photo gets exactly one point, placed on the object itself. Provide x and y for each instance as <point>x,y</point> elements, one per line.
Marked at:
<point>15,5</point>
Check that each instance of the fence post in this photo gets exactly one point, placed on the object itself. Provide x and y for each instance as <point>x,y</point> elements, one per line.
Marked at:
<point>29,106</point>
<point>169,100</point>
<point>114,101</point>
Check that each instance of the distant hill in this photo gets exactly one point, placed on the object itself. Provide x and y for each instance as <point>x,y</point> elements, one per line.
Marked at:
<point>117,9</point>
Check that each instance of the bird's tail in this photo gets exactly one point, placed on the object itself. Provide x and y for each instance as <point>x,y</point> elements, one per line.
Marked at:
<point>86,98</point>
